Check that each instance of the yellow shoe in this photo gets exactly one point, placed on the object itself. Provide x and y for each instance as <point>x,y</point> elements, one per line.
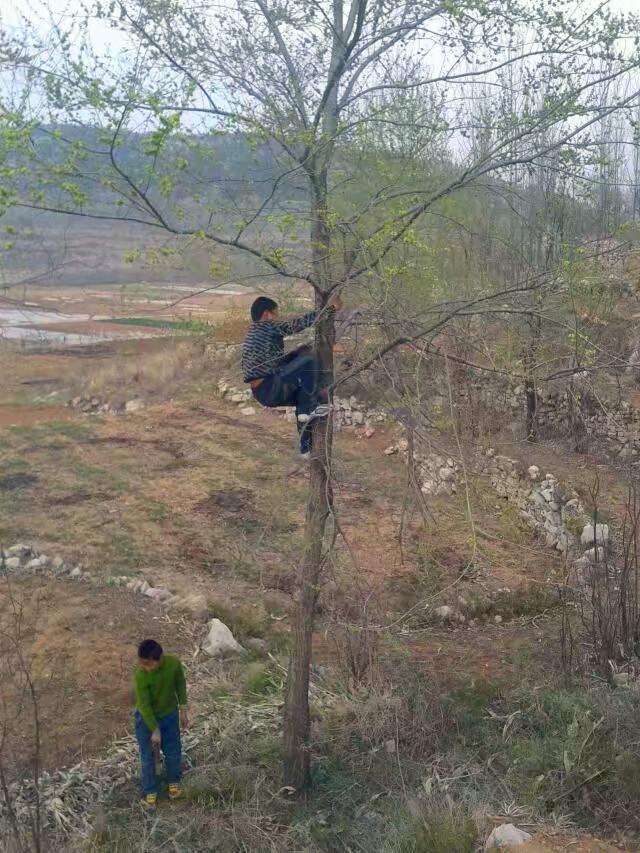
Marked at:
<point>174,791</point>
<point>150,801</point>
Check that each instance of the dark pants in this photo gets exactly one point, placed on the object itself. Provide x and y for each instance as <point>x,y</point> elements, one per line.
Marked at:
<point>171,749</point>
<point>296,382</point>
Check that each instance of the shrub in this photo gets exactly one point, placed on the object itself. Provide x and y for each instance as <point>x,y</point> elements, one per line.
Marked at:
<point>442,827</point>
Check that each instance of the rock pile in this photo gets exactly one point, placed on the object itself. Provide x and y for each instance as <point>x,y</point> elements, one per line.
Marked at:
<point>100,406</point>
<point>616,426</point>
<point>542,503</point>
<point>553,513</point>
<point>348,413</point>
<point>437,474</point>
<point>23,560</point>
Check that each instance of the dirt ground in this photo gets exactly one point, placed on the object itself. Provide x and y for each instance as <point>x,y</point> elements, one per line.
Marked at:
<point>193,496</point>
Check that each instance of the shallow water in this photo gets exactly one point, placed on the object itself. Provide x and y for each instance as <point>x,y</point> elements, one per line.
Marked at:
<point>49,336</point>
<point>33,317</point>
<point>16,324</point>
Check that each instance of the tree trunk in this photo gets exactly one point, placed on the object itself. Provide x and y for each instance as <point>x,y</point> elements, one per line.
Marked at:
<point>297,764</point>
<point>528,362</point>
<point>297,758</point>
<point>532,402</point>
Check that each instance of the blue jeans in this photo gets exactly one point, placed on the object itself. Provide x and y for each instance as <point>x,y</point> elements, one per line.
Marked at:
<point>296,382</point>
<point>171,749</point>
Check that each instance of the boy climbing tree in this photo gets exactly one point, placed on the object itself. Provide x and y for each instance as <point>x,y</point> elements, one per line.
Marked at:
<point>160,711</point>
<point>277,379</point>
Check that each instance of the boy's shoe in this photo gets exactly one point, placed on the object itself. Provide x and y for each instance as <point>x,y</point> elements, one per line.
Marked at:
<point>150,801</point>
<point>174,791</point>
<point>321,411</point>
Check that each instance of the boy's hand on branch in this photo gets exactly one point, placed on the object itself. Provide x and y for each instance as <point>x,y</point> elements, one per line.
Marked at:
<point>335,302</point>
<point>184,718</point>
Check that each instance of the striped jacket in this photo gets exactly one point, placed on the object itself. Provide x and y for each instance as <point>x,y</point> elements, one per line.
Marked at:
<point>263,347</point>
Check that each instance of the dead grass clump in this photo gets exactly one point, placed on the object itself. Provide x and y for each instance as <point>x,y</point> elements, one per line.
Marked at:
<point>144,372</point>
<point>439,826</point>
<point>401,717</point>
<point>233,327</point>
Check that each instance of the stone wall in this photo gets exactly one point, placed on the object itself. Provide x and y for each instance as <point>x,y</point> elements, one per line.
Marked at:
<point>349,413</point>
<point>553,512</point>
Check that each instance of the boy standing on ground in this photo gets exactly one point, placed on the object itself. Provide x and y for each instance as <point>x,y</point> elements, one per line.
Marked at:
<point>161,708</point>
<point>277,379</point>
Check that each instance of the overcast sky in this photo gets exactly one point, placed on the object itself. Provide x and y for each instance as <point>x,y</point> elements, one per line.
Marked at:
<point>11,10</point>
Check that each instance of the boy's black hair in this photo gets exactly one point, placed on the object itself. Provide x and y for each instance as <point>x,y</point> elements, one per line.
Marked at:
<point>149,650</point>
<point>260,305</point>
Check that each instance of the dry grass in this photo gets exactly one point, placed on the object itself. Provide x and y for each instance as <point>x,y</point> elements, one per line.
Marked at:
<point>141,369</point>
<point>201,500</point>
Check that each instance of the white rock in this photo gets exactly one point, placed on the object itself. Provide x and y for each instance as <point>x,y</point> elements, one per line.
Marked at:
<point>248,410</point>
<point>237,398</point>
<point>358,418</point>
<point>134,405</point>
<point>389,451</point>
<point>76,573</point>
<point>538,498</point>
<point>144,586</point>
<point>156,593</point>
<point>219,640</point>
<point>12,563</point>
<point>448,614</point>
<point>506,835</point>
<point>497,619</point>
<point>599,535</point>
<point>390,747</point>
<point>595,555</point>
<point>57,563</point>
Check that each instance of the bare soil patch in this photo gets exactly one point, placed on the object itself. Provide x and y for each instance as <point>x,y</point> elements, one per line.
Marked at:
<point>81,643</point>
<point>24,416</point>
